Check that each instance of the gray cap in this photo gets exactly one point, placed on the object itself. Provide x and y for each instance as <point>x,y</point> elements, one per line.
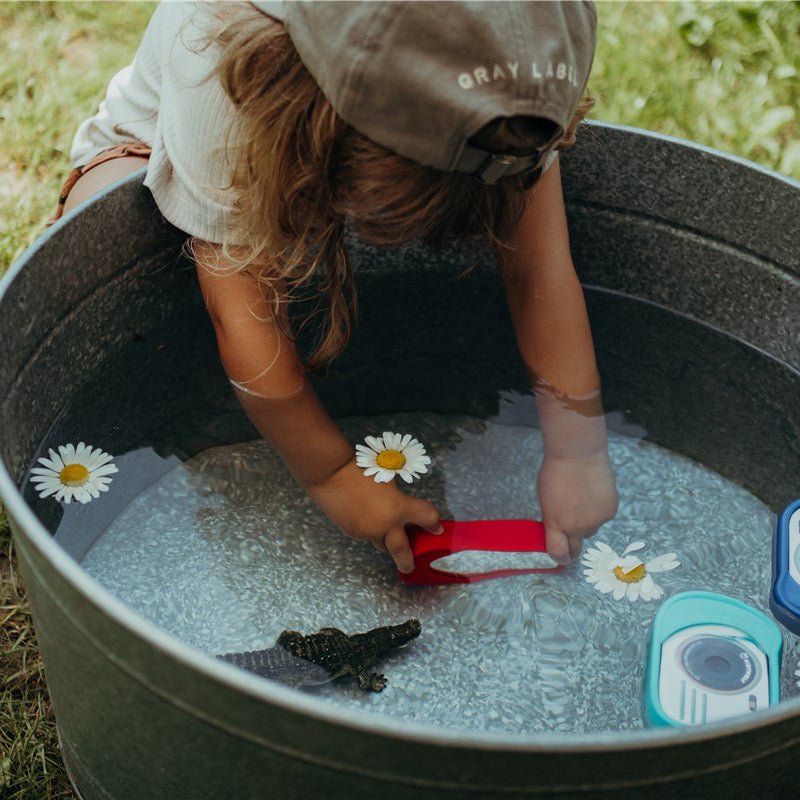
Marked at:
<point>421,77</point>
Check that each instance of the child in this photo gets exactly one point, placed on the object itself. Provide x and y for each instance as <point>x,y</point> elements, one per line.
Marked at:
<point>267,125</point>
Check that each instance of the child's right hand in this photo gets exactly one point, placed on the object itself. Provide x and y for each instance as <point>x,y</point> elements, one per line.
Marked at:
<point>279,400</point>
<point>577,495</point>
<point>374,512</point>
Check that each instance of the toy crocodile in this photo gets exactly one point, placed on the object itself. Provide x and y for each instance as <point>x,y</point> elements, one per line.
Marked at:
<point>297,660</point>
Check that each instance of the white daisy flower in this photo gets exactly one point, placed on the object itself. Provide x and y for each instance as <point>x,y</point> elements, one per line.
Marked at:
<point>390,455</point>
<point>625,575</point>
<point>79,473</point>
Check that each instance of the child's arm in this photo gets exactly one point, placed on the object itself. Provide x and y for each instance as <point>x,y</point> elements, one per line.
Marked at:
<point>576,483</point>
<point>281,403</point>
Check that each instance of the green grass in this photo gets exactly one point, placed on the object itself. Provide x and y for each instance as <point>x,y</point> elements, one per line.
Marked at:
<point>723,74</point>
<point>57,59</point>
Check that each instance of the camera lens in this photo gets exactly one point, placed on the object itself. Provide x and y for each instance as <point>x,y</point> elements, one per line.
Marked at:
<point>719,663</point>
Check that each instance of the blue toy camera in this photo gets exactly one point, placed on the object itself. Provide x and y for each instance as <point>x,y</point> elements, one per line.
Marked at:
<point>710,657</point>
<point>784,599</point>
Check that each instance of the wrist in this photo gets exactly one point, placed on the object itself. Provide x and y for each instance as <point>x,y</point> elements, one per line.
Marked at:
<point>326,473</point>
<point>587,401</point>
<point>572,427</point>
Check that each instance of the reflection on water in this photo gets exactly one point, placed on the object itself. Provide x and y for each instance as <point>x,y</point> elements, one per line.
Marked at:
<point>225,552</point>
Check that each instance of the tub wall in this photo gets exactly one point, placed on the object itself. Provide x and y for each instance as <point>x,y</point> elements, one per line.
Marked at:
<point>136,724</point>
<point>651,220</point>
<point>712,237</point>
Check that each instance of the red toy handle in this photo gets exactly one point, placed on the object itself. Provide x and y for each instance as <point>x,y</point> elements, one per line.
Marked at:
<point>506,536</point>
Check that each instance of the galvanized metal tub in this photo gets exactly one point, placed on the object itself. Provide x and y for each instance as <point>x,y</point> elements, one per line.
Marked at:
<point>691,268</point>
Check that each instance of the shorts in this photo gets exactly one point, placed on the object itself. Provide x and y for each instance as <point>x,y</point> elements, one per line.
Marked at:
<point>118,151</point>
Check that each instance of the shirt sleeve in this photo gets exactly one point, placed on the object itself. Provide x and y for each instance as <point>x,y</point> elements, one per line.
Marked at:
<point>129,110</point>
<point>169,99</point>
<point>196,139</point>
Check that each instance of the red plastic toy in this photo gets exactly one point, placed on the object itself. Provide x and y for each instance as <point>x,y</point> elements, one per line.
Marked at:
<point>496,535</point>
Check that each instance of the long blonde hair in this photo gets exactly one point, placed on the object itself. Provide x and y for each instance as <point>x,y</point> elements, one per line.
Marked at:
<point>301,172</point>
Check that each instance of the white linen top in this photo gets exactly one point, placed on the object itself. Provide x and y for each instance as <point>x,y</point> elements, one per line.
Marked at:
<point>162,100</point>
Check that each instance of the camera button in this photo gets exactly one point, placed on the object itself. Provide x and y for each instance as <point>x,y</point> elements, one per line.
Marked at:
<point>683,701</point>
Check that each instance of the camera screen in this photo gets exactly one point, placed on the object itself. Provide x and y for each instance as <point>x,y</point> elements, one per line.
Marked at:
<point>719,663</point>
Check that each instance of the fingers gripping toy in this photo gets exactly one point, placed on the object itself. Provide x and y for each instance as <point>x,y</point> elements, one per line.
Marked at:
<point>505,536</point>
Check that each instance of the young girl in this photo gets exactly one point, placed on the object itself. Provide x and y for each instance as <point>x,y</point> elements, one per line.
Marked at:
<point>268,126</point>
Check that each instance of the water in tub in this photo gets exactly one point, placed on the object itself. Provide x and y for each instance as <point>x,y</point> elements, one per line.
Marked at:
<point>224,551</point>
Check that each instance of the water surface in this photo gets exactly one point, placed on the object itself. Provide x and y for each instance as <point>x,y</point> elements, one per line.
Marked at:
<point>224,552</point>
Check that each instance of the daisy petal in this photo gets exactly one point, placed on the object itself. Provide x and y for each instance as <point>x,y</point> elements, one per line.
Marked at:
<point>592,554</point>
<point>99,458</point>
<point>633,547</point>
<point>606,582</point>
<point>82,494</point>
<point>662,563</point>
<point>603,561</point>
<point>55,460</point>
<point>50,464</point>
<point>43,472</point>
<point>108,469</point>
<point>375,443</point>
<point>629,563</point>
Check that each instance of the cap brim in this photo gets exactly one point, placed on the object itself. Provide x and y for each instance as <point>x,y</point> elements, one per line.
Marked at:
<point>272,8</point>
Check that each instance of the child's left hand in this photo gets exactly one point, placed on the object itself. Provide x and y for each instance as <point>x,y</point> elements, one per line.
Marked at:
<point>577,494</point>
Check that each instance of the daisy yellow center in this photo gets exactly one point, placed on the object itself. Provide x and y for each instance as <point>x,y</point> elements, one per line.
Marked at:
<point>391,459</point>
<point>74,475</point>
<point>634,576</point>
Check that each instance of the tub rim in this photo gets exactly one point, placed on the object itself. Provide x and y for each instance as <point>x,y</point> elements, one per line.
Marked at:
<point>698,147</point>
<point>21,516</point>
